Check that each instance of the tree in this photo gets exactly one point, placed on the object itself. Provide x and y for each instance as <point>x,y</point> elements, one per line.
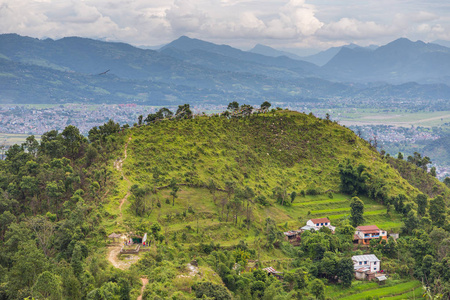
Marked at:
<point>265,106</point>
<point>293,196</point>
<point>212,187</point>
<point>48,286</point>
<point>400,155</point>
<point>233,106</point>
<point>356,212</point>
<point>163,113</point>
<point>140,120</point>
<point>246,110</point>
<point>353,180</point>
<point>418,160</point>
<point>72,140</point>
<point>433,171</point>
<point>183,112</point>
<point>175,188</point>
<point>318,288</point>
<point>422,203</point>
<point>411,222</point>
<point>77,261</point>
<point>447,181</point>
<point>209,290</point>
<point>437,211</point>
<point>345,271</point>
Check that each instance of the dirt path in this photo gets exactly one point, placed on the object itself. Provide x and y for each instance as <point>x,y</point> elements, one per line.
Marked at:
<point>144,283</point>
<point>114,251</point>
<point>118,165</point>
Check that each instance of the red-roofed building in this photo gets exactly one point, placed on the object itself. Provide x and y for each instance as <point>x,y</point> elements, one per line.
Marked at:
<point>364,234</point>
<point>319,223</point>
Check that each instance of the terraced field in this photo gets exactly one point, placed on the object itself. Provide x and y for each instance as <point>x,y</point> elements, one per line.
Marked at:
<point>392,290</point>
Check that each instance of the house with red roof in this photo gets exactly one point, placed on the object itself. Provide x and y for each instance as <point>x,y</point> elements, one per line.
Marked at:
<point>364,234</point>
<point>316,224</point>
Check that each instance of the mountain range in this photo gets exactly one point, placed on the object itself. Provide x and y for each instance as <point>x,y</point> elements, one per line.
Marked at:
<point>77,69</point>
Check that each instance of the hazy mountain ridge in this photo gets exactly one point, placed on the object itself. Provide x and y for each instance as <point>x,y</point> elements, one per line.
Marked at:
<point>189,70</point>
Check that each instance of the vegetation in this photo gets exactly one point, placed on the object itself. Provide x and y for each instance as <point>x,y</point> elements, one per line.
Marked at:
<point>214,195</point>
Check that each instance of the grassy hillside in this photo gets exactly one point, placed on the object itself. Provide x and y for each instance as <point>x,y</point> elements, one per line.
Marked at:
<point>286,149</point>
<point>211,159</point>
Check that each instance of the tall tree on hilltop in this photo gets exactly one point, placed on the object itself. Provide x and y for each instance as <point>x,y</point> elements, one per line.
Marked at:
<point>265,106</point>
<point>233,106</point>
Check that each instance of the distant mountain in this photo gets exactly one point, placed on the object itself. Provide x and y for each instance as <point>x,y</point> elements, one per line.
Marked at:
<point>269,51</point>
<point>325,56</point>
<point>398,62</point>
<point>186,44</point>
<point>189,70</point>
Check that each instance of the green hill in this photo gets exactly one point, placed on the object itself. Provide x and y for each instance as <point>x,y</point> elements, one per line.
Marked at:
<point>214,195</point>
<point>214,160</point>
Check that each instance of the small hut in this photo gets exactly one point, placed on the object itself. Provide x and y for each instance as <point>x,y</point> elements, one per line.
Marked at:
<point>137,239</point>
<point>114,237</point>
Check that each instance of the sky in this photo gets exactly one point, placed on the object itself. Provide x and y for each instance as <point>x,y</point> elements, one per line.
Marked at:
<point>282,24</point>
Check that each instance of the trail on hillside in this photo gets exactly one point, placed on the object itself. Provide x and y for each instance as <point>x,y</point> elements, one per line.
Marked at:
<point>144,283</point>
<point>114,251</point>
<point>118,165</point>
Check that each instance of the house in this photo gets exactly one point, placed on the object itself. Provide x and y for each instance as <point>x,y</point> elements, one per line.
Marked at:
<point>292,236</point>
<point>364,234</point>
<point>316,224</point>
<point>366,266</point>
<point>272,271</point>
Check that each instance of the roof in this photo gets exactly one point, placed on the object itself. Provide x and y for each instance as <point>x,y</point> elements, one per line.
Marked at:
<point>368,257</point>
<point>292,232</point>
<point>321,220</point>
<point>271,270</point>
<point>114,235</point>
<point>381,278</point>
<point>361,269</point>
<point>367,228</point>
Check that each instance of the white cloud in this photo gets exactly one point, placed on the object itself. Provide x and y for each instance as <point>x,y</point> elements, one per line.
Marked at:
<point>237,22</point>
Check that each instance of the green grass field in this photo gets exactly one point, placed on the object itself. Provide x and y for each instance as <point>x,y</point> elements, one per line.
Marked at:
<point>392,290</point>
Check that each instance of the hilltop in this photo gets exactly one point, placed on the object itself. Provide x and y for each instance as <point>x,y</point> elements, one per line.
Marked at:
<point>213,195</point>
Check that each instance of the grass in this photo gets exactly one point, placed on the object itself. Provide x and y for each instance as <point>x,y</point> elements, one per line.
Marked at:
<point>384,291</point>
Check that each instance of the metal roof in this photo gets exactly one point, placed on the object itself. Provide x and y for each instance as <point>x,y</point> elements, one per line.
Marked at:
<point>271,270</point>
<point>367,227</point>
<point>368,257</point>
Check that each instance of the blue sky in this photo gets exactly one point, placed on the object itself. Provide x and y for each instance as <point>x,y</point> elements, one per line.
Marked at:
<point>316,24</point>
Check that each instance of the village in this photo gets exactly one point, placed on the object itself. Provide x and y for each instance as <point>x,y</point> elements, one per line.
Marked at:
<point>366,267</point>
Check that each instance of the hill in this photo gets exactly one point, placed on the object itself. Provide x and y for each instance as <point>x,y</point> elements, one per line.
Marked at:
<point>211,197</point>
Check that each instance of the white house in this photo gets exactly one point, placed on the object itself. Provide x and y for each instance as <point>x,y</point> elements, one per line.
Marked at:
<point>319,223</point>
<point>367,262</point>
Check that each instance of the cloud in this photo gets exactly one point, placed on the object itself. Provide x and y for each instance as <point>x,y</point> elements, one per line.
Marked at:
<point>354,29</point>
<point>243,22</point>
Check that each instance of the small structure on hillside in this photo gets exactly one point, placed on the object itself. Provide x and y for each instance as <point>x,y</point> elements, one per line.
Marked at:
<point>114,237</point>
<point>292,236</point>
<point>137,239</point>
<point>366,266</point>
<point>316,224</point>
<point>364,234</point>
<point>272,271</point>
